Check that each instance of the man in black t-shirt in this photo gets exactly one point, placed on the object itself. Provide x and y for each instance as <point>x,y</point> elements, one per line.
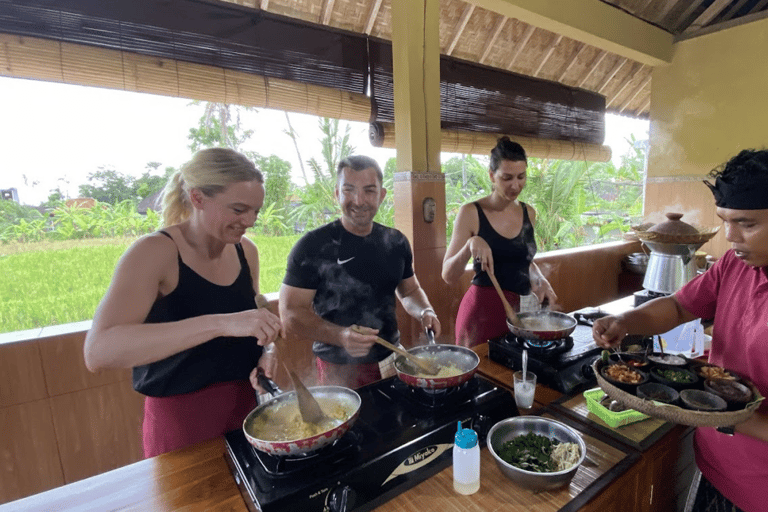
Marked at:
<point>347,274</point>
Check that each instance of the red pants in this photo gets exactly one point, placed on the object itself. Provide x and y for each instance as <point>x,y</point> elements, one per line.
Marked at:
<point>347,375</point>
<point>481,315</point>
<point>174,422</point>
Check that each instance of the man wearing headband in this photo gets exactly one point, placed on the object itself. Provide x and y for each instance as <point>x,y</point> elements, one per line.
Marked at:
<point>734,293</point>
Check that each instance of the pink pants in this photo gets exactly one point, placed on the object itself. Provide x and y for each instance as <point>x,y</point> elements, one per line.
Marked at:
<point>174,422</point>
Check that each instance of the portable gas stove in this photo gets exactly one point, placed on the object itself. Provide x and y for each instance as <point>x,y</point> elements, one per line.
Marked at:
<point>403,436</point>
<point>562,364</point>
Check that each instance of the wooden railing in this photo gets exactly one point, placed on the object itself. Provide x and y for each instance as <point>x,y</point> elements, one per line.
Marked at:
<point>61,423</point>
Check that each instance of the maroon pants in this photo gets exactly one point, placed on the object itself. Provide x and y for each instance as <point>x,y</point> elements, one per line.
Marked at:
<point>481,315</point>
<point>174,422</point>
<point>347,375</point>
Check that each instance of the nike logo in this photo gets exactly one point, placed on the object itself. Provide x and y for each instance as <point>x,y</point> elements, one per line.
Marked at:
<point>341,262</point>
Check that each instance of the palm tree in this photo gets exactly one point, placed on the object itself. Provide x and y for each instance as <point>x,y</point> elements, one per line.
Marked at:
<point>318,200</point>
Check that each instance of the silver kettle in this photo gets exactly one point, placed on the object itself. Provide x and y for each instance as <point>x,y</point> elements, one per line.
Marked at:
<point>670,266</point>
<point>671,263</point>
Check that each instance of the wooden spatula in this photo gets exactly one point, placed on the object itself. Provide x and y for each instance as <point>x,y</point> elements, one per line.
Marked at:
<point>308,407</point>
<point>428,367</point>
<point>511,315</point>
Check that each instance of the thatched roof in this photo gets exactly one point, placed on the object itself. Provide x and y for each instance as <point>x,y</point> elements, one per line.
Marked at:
<point>607,47</point>
<point>470,30</point>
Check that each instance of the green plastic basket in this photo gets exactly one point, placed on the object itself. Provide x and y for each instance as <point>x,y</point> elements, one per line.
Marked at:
<point>612,419</point>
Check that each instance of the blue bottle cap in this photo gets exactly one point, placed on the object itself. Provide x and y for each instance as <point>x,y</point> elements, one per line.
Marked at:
<point>465,437</point>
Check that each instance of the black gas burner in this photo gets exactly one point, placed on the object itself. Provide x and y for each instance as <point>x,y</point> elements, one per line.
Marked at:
<point>403,436</point>
<point>445,398</point>
<point>544,349</point>
<point>564,365</point>
<point>289,465</point>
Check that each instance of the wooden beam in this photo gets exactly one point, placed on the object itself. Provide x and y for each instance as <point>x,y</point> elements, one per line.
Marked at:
<point>731,12</point>
<point>686,14</point>
<point>625,83</point>
<point>492,40</point>
<point>666,8</point>
<point>325,18</point>
<point>468,10</point>
<point>372,16</point>
<point>548,55</point>
<point>725,25</point>
<point>596,62</point>
<point>758,6</point>
<point>708,15</point>
<point>615,69</point>
<point>641,86</point>
<point>571,61</point>
<point>521,44</point>
<point>593,22</point>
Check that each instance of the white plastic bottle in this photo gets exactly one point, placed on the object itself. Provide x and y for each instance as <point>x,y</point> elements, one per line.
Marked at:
<point>466,461</point>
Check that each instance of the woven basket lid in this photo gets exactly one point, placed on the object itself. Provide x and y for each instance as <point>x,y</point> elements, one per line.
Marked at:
<point>674,226</point>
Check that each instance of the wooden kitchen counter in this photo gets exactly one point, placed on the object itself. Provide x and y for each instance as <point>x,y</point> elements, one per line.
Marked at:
<point>615,477</point>
<point>198,478</point>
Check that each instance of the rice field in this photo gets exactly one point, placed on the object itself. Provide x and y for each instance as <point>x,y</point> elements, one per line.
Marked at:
<point>51,283</point>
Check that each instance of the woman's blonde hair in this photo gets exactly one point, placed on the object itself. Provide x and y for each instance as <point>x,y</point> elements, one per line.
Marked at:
<point>210,170</point>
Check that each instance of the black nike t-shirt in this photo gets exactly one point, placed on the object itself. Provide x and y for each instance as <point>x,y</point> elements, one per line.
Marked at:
<point>355,278</point>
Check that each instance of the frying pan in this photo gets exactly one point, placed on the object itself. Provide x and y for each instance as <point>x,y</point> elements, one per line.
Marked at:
<point>462,358</point>
<point>346,398</point>
<point>552,325</point>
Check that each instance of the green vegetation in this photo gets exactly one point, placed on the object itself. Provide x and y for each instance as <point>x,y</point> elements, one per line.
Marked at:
<point>57,264</point>
<point>51,283</point>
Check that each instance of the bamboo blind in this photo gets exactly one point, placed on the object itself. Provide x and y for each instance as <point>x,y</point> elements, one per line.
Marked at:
<point>475,143</point>
<point>53,61</point>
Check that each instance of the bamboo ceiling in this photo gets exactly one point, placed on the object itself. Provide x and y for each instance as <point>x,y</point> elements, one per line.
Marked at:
<point>475,34</point>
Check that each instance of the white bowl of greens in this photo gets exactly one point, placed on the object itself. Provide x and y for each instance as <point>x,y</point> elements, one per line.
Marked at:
<point>536,453</point>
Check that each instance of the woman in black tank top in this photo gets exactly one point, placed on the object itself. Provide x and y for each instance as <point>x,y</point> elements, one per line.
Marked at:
<point>181,310</point>
<point>496,232</point>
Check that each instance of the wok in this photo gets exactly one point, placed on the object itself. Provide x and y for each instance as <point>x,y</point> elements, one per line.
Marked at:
<point>346,399</point>
<point>444,355</point>
<point>543,325</point>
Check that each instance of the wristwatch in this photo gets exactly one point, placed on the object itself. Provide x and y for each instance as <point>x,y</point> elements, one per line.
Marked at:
<point>729,431</point>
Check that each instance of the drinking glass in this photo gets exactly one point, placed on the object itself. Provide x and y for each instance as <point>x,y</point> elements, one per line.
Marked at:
<point>524,389</point>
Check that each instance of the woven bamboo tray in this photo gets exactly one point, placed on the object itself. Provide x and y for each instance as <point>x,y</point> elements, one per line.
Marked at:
<point>674,413</point>
<point>696,238</point>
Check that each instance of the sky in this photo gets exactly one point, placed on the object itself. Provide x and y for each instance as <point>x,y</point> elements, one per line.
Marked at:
<point>54,135</point>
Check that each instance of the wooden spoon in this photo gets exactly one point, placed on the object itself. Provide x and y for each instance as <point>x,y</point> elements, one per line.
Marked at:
<point>511,315</point>
<point>428,367</point>
<point>308,407</point>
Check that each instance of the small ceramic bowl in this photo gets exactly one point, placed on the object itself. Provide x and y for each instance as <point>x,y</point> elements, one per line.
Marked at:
<point>613,373</point>
<point>735,394</point>
<point>667,359</point>
<point>709,371</point>
<point>676,378</point>
<point>657,392</point>
<point>632,360</point>
<point>699,400</point>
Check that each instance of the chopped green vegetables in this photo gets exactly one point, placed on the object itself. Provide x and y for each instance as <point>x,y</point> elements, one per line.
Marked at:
<point>531,452</point>
<point>675,376</point>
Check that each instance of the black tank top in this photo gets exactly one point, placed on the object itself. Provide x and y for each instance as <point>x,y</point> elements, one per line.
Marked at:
<point>512,257</point>
<point>221,359</point>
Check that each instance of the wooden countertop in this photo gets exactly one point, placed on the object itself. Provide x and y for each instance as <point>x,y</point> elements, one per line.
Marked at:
<point>198,478</point>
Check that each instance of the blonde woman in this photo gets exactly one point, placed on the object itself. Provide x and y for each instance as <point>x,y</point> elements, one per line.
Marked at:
<point>181,310</point>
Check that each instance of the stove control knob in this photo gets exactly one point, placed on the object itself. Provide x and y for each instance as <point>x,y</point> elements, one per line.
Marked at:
<point>586,370</point>
<point>482,425</point>
<point>341,499</point>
